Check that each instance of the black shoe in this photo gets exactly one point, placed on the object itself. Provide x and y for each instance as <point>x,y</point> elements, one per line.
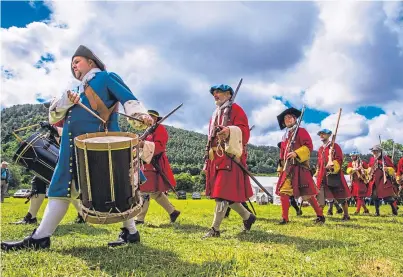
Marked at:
<point>79,219</point>
<point>340,211</point>
<point>247,224</point>
<point>394,211</point>
<point>125,237</point>
<point>329,212</point>
<point>366,212</point>
<point>377,214</point>
<point>346,218</point>
<point>174,215</point>
<point>283,222</point>
<point>299,212</point>
<point>28,220</point>
<point>320,220</point>
<point>212,233</point>
<point>138,222</point>
<point>28,242</point>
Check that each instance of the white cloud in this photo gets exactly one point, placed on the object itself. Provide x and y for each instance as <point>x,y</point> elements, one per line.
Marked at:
<point>343,54</point>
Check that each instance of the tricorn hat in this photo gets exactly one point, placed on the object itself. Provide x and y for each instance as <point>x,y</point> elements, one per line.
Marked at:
<point>83,51</point>
<point>376,148</point>
<point>280,117</point>
<point>154,113</point>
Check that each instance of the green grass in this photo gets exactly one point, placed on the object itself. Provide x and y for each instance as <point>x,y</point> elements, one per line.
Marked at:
<point>365,246</point>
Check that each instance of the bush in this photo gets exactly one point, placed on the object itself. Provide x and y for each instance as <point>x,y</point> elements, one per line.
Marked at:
<point>184,181</point>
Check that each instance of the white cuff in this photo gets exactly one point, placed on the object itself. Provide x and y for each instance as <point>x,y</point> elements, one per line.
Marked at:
<point>148,151</point>
<point>58,108</point>
<point>234,145</point>
<point>135,109</point>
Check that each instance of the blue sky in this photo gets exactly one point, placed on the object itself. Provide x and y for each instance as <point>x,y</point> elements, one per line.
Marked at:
<point>289,54</point>
<point>21,13</point>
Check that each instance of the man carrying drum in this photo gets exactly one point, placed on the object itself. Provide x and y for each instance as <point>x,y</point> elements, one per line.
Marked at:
<point>157,171</point>
<point>102,87</point>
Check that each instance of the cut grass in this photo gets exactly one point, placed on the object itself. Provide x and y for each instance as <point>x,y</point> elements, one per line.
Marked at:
<point>364,246</point>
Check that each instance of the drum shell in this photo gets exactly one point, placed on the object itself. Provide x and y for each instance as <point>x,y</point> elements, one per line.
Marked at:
<point>95,166</point>
<point>39,155</point>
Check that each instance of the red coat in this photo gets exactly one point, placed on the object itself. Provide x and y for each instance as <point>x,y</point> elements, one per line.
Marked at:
<point>359,188</point>
<point>302,181</point>
<point>224,178</point>
<point>155,182</point>
<point>382,189</point>
<point>399,171</point>
<point>342,191</point>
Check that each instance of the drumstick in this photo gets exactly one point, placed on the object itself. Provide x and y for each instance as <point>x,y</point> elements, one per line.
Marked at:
<point>91,112</point>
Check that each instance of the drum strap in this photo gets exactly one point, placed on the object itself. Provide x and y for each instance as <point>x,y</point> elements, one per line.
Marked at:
<point>98,105</point>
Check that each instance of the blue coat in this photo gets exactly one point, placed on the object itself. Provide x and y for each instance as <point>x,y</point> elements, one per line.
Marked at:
<point>110,88</point>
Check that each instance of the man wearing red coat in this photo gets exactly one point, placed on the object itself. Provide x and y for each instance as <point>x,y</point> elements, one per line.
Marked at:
<point>399,172</point>
<point>356,169</point>
<point>295,178</point>
<point>154,156</point>
<point>381,166</point>
<point>225,180</point>
<point>330,178</point>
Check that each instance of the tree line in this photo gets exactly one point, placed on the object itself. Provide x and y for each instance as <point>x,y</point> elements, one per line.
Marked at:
<point>185,149</point>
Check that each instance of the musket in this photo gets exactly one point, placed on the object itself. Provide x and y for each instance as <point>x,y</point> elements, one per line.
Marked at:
<point>393,152</point>
<point>292,140</point>
<point>241,166</point>
<point>225,121</point>
<point>331,150</point>
<point>383,161</point>
<point>251,128</point>
<point>158,168</point>
<point>152,128</point>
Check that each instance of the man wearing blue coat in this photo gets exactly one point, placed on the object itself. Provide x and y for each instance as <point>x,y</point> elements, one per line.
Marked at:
<point>110,89</point>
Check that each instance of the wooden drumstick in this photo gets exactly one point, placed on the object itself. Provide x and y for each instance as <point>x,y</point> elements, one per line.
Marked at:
<point>91,112</point>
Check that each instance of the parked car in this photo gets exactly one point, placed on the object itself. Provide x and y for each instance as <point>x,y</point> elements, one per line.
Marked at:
<point>22,193</point>
<point>196,195</point>
<point>181,194</point>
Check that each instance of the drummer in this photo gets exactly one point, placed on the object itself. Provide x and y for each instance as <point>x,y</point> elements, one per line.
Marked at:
<point>99,91</point>
<point>38,186</point>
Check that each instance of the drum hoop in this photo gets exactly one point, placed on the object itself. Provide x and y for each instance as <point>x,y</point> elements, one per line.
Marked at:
<point>25,149</point>
<point>106,146</point>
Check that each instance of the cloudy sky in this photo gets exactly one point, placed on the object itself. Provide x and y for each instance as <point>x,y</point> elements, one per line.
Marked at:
<point>325,55</point>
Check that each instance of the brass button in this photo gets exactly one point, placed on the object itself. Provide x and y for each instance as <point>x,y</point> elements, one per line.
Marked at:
<point>68,122</point>
<point>71,158</point>
<point>68,189</point>
<point>71,164</point>
<point>71,145</point>
<point>68,195</point>
<point>69,182</point>
<point>71,170</point>
<point>71,139</point>
<point>69,134</point>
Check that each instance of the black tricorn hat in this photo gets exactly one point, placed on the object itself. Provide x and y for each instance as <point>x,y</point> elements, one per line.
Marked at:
<point>47,104</point>
<point>154,113</point>
<point>83,51</point>
<point>280,117</point>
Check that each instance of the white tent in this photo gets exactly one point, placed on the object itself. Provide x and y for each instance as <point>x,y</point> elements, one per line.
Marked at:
<point>269,183</point>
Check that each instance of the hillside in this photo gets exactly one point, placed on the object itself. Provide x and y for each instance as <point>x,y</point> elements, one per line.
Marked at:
<point>185,148</point>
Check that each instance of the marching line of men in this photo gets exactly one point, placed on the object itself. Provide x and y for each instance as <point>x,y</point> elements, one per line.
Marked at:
<point>226,182</point>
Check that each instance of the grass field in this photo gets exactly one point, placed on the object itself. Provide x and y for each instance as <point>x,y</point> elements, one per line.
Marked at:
<point>365,246</point>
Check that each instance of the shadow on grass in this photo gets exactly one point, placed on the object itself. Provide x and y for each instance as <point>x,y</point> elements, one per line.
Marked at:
<point>142,260</point>
<point>302,244</point>
<point>86,229</point>
<point>186,228</point>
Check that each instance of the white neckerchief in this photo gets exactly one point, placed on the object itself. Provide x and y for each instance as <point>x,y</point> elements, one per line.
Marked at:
<point>217,115</point>
<point>289,131</point>
<point>87,77</point>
